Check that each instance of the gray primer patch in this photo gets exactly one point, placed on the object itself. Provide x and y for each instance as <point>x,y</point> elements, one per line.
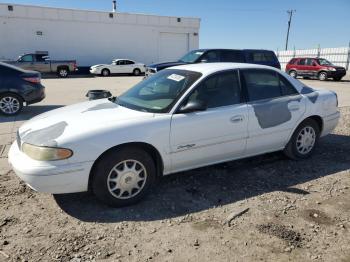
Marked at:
<point>101,107</point>
<point>310,93</point>
<point>46,136</point>
<point>271,114</point>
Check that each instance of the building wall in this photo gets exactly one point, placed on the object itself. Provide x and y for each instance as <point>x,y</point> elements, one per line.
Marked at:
<point>339,56</point>
<point>92,37</point>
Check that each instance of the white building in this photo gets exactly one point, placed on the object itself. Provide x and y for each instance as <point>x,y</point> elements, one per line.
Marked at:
<point>93,37</point>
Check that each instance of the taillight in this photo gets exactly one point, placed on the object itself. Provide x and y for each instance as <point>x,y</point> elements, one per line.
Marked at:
<point>34,80</point>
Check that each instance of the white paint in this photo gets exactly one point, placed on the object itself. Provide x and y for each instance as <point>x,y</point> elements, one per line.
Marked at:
<point>118,66</point>
<point>184,141</point>
<point>92,37</point>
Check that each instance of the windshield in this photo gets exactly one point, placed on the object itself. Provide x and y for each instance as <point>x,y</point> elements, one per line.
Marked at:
<point>324,62</point>
<point>158,93</point>
<point>191,57</point>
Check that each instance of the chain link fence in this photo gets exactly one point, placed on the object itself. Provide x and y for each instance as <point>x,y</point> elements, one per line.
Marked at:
<point>339,56</point>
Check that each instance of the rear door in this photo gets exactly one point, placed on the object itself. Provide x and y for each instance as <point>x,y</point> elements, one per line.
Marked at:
<point>274,108</point>
<point>302,69</point>
<point>41,64</point>
<point>216,134</point>
<point>232,56</point>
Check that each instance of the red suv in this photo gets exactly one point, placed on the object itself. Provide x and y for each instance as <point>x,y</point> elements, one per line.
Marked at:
<point>315,67</point>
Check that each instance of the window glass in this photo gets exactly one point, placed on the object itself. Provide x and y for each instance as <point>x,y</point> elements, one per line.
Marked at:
<point>287,88</point>
<point>232,56</point>
<point>121,62</point>
<point>192,56</point>
<point>211,56</point>
<point>261,84</point>
<point>308,62</point>
<point>40,58</point>
<point>219,90</point>
<point>259,57</point>
<point>159,92</point>
<point>27,58</point>
<point>128,62</point>
<point>302,62</point>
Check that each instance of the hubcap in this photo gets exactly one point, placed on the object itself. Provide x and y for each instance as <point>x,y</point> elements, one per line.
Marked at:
<point>63,73</point>
<point>9,105</point>
<point>293,74</point>
<point>306,140</point>
<point>127,179</point>
<point>323,76</point>
<point>105,72</point>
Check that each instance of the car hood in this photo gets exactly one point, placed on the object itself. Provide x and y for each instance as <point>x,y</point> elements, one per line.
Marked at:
<point>161,66</point>
<point>53,127</point>
<point>95,66</point>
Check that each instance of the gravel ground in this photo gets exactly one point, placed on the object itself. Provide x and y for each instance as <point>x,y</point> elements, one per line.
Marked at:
<point>265,208</point>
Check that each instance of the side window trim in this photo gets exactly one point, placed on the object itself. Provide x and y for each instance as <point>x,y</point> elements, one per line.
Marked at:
<point>185,97</point>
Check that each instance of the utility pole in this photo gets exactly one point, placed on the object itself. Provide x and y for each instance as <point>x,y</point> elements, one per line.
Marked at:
<point>290,12</point>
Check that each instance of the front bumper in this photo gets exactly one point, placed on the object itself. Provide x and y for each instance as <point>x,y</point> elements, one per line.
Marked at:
<point>94,71</point>
<point>338,73</point>
<point>55,177</point>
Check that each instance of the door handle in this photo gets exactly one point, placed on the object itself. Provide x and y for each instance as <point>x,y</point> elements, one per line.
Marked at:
<point>294,107</point>
<point>237,119</point>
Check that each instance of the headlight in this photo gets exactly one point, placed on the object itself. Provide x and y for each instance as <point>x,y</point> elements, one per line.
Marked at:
<point>332,69</point>
<point>42,153</point>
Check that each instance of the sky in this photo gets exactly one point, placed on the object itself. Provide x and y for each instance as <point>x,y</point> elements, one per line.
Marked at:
<point>242,24</point>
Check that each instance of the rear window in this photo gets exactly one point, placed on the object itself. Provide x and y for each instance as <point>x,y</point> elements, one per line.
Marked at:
<point>292,62</point>
<point>260,57</point>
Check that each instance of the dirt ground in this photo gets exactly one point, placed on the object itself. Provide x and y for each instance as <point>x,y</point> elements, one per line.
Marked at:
<point>266,208</point>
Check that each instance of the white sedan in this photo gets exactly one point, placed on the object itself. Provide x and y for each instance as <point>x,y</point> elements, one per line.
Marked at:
<point>179,119</point>
<point>119,66</point>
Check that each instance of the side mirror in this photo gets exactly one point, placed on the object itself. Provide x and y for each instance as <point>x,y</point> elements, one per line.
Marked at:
<point>193,106</point>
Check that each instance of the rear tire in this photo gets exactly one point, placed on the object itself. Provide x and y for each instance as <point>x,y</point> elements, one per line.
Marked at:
<point>123,176</point>
<point>303,141</point>
<point>10,104</point>
<point>63,72</point>
<point>293,73</point>
<point>322,76</point>
<point>105,72</point>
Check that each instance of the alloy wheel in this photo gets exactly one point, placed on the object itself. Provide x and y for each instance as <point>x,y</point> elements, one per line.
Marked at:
<point>10,105</point>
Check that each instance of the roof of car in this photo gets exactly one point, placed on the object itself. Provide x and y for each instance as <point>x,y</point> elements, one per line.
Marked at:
<point>208,68</point>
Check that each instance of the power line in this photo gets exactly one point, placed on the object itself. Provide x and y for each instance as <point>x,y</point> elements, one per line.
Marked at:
<point>290,12</point>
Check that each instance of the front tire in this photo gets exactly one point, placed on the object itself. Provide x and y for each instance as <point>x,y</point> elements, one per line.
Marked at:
<point>10,104</point>
<point>303,141</point>
<point>293,73</point>
<point>105,72</point>
<point>123,176</point>
<point>322,76</point>
<point>137,72</point>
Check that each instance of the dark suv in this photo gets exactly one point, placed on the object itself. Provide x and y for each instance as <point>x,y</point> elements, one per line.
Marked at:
<point>260,57</point>
<point>18,86</point>
<point>315,67</point>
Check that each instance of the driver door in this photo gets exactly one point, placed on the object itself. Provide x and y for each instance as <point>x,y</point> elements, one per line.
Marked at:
<point>217,134</point>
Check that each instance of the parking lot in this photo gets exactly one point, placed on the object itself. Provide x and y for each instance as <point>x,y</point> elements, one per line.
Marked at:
<point>286,210</point>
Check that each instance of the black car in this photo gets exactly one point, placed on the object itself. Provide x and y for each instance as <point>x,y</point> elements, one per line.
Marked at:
<point>260,57</point>
<point>18,87</point>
